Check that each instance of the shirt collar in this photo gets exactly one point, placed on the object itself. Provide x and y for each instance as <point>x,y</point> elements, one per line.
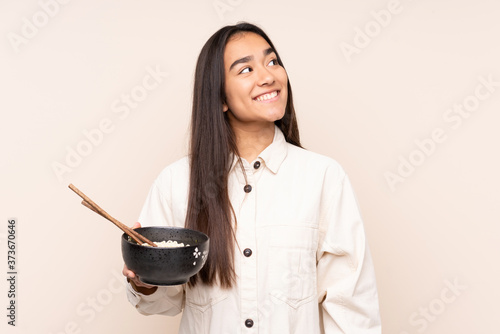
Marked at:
<point>273,155</point>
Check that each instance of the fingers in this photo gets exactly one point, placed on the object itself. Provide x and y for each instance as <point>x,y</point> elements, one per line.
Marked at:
<point>141,284</point>
<point>134,278</point>
<point>136,225</point>
<point>127,272</point>
<point>137,283</point>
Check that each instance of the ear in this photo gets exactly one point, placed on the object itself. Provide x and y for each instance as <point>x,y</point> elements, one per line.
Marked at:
<point>224,107</point>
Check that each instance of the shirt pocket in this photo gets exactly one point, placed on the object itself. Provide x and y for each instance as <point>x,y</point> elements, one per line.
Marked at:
<point>200,301</point>
<point>292,263</point>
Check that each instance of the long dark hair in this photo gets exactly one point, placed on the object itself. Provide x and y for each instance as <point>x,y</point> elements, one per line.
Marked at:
<point>212,148</point>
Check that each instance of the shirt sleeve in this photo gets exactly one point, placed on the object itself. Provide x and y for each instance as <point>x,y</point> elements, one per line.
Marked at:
<point>347,290</point>
<point>157,211</point>
<point>166,300</point>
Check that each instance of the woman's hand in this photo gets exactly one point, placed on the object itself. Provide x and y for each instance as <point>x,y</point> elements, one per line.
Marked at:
<point>133,279</point>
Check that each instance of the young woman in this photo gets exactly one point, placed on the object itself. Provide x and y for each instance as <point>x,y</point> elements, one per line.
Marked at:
<point>287,246</point>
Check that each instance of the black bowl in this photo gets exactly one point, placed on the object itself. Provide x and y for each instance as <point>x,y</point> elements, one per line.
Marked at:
<point>166,266</point>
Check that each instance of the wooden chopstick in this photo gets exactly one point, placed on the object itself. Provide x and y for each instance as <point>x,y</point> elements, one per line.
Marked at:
<point>139,238</point>
<point>85,203</point>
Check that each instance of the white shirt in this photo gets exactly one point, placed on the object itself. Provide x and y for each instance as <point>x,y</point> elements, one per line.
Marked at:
<point>310,270</point>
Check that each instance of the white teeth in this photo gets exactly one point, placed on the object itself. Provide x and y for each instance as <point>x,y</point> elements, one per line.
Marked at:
<point>266,96</point>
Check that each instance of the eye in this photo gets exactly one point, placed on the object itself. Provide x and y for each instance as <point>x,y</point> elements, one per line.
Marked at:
<point>245,70</point>
<point>273,62</point>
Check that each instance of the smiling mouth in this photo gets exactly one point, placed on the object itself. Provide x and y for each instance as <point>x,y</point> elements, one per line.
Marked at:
<point>265,97</point>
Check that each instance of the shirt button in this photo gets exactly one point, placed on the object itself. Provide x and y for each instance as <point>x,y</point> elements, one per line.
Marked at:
<point>247,252</point>
<point>247,188</point>
<point>249,323</point>
<point>256,165</point>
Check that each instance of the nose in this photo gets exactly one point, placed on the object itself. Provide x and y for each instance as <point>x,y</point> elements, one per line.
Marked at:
<point>265,77</point>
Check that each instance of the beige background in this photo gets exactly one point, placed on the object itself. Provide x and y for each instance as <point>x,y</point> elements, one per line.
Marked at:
<point>438,225</point>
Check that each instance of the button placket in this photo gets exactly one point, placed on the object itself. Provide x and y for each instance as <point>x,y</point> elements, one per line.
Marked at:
<point>248,267</point>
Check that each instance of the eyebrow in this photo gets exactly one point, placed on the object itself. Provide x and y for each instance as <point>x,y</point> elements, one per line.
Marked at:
<point>248,58</point>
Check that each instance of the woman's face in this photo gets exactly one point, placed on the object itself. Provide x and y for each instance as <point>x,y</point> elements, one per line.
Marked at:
<point>256,85</point>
